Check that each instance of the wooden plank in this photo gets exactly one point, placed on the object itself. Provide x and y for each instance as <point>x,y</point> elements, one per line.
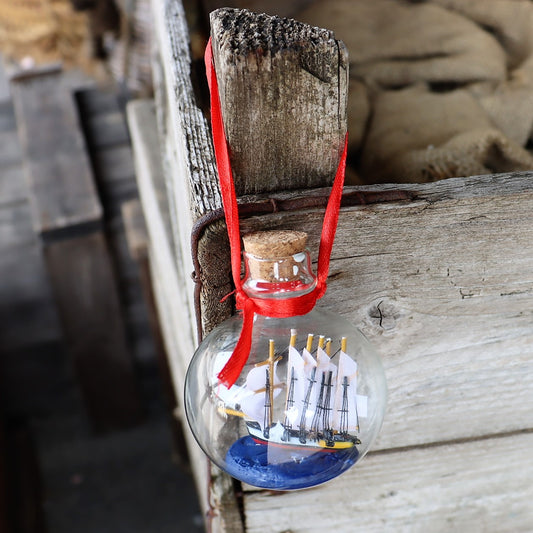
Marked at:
<point>66,212</point>
<point>442,286</point>
<point>15,224</point>
<point>58,169</point>
<point>37,380</point>
<point>97,101</point>
<point>290,82</point>
<point>85,291</point>
<point>172,305</point>
<point>5,95</point>
<point>135,226</point>
<point>7,116</point>
<point>12,184</point>
<point>10,151</point>
<point>27,311</point>
<point>440,282</point>
<point>472,486</point>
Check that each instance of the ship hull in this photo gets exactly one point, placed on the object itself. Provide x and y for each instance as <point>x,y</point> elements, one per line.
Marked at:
<point>281,437</point>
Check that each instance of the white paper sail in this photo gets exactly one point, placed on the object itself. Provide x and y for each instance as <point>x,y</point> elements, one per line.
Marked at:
<point>345,412</point>
<point>253,407</point>
<point>309,362</point>
<point>324,363</point>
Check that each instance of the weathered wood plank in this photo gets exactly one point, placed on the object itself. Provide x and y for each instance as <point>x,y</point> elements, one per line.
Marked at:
<point>85,292</point>
<point>66,212</point>
<point>135,226</point>
<point>27,311</point>
<point>442,286</point>
<point>62,189</point>
<point>472,486</point>
<point>290,82</point>
<point>137,239</point>
<point>114,167</point>
<point>12,185</point>
<point>173,309</point>
<point>7,116</point>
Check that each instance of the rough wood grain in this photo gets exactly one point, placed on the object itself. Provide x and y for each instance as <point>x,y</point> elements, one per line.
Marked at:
<point>472,486</point>
<point>283,90</point>
<point>442,286</point>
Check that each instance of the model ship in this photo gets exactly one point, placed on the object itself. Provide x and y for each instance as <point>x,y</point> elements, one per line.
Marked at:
<point>321,408</point>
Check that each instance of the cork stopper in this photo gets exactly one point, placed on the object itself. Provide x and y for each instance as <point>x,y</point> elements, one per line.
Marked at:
<point>277,257</point>
<point>275,244</point>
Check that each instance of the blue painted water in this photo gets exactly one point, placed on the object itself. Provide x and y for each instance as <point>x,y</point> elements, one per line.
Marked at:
<point>275,468</point>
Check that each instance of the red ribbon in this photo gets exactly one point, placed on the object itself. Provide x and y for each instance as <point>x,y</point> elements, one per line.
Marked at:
<point>285,308</point>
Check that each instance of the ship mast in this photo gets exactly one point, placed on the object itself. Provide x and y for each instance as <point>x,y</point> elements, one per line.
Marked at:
<point>289,399</point>
<point>270,390</point>
<point>326,406</point>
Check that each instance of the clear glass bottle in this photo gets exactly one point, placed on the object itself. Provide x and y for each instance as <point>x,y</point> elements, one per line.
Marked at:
<point>311,398</point>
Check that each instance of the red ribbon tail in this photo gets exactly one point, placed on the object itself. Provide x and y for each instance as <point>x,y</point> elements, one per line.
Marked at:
<point>233,367</point>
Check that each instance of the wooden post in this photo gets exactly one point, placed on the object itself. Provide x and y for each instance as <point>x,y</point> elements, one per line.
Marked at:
<point>67,215</point>
<point>283,89</point>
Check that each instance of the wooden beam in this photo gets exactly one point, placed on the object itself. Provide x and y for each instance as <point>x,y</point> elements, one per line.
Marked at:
<point>283,89</point>
<point>437,275</point>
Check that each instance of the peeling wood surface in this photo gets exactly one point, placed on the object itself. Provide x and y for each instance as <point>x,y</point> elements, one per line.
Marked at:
<point>188,158</point>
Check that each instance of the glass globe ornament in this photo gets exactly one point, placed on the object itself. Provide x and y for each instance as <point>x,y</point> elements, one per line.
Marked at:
<point>311,397</point>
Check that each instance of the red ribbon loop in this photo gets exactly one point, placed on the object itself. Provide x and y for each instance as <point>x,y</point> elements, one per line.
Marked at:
<point>271,307</point>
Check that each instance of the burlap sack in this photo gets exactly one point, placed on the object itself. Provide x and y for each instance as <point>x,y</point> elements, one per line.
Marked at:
<point>467,70</point>
<point>510,21</point>
<point>393,43</point>
<point>416,135</point>
<point>509,104</point>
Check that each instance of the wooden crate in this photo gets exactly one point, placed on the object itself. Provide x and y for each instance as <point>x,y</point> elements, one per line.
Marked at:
<point>436,275</point>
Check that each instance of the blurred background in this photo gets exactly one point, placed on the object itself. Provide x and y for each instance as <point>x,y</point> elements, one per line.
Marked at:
<point>84,446</point>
